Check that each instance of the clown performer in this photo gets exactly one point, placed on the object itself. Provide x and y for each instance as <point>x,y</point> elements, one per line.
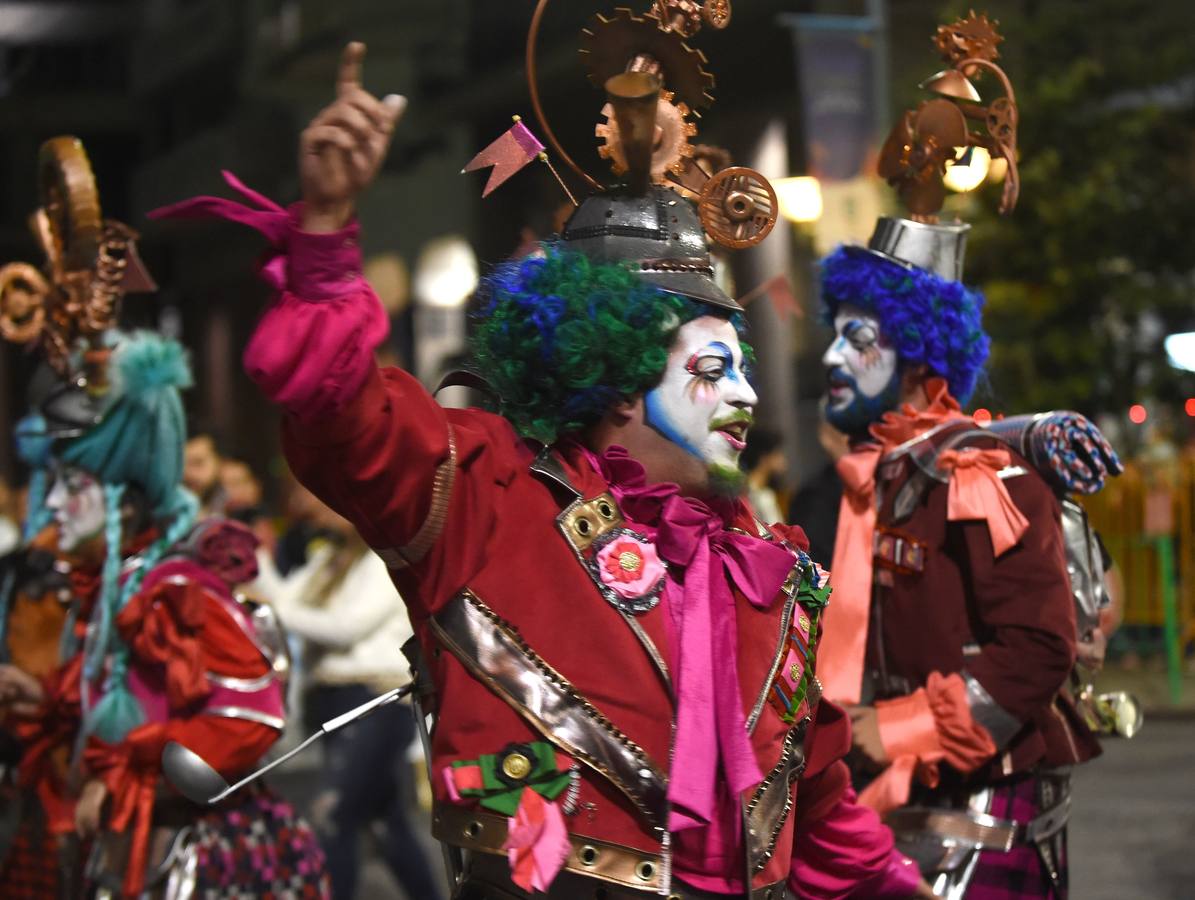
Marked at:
<point>620,655</point>
<point>157,646</point>
<point>963,575</point>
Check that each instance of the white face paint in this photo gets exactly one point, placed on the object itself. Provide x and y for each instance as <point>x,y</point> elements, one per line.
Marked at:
<point>861,371</point>
<point>704,403</point>
<point>77,501</point>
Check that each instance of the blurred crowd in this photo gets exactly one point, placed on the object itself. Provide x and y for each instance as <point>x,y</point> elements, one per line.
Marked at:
<point>345,622</point>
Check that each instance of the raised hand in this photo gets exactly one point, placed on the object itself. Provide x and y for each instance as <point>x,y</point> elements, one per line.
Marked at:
<point>342,149</point>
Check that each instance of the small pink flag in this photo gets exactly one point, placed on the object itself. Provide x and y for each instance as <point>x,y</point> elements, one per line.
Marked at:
<point>507,155</point>
<point>780,291</point>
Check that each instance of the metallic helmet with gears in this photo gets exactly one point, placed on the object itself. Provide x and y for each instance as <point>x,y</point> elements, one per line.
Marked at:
<point>658,233</point>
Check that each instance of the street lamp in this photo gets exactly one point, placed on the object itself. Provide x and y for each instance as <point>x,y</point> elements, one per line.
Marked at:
<point>970,169</point>
<point>800,198</point>
<point>446,274</point>
<point>1180,350</point>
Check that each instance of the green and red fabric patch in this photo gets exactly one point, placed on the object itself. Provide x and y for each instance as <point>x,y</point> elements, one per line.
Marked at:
<point>498,780</point>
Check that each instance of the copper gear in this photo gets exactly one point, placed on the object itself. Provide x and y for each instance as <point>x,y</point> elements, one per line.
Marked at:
<point>973,37</point>
<point>738,207</point>
<point>672,144</point>
<point>610,45</point>
<point>71,204</point>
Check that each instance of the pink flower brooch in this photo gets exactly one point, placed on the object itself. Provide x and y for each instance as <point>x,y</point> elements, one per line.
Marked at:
<point>628,570</point>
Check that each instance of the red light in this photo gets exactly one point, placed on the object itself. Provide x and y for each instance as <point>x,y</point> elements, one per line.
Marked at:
<point>982,416</point>
<point>1137,414</point>
<point>1190,406</point>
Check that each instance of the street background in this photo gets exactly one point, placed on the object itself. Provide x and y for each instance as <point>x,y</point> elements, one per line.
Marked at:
<point>1090,283</point>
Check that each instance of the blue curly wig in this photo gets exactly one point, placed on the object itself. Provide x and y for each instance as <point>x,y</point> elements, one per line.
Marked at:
<point>561,338</point>
<point>931,321</point>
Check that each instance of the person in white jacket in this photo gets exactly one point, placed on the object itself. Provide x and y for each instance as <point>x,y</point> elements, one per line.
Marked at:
<point>343,604</point>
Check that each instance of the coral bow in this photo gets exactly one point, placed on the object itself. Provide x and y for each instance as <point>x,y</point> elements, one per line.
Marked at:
<point>976,492</point>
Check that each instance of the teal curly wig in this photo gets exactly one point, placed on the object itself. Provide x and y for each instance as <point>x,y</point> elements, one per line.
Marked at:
<point>561,338</point>
<point>139,441</point>
<point>140,438</point>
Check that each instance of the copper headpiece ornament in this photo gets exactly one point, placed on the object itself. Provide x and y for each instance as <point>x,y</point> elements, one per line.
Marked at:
<point>916,153</point>
<point>656,84</point>
<point>66,306</point>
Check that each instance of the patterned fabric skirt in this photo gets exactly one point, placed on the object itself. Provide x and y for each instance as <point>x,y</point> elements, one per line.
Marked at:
<point>258,847</point>
<point>1022,872</point>
<point>253,846</point>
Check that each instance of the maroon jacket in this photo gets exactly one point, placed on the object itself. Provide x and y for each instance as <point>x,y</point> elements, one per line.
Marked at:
<point>1008,622</point>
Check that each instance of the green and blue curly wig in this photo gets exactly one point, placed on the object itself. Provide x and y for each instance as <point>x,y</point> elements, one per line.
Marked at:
<point>931,321</point>
<point>561,338</point>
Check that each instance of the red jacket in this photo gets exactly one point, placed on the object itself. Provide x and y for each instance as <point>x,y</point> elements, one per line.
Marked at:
<point>375,461</point>
<point>521,644</point>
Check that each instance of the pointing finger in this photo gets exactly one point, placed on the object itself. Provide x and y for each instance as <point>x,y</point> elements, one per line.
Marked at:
<point>349,77</point>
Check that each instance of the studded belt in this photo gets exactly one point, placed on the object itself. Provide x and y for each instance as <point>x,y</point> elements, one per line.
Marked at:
<point>593,869</point>
<point>601,861</point>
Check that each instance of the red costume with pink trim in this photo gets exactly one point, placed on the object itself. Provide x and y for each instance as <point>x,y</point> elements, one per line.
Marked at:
<point>553,707</point>
<point>621,674</point>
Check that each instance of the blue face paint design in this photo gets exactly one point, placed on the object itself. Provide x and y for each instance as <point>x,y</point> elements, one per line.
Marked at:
<point>658,419</point>
<point>703,401</point>
<point>863,372</point>
<point>718,349</point>
<point>855,418</point>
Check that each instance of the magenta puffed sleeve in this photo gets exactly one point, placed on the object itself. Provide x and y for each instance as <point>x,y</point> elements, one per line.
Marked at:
<point>849,852</point>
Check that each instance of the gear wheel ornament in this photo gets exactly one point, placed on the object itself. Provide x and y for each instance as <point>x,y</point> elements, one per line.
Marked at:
<point>974,37</point>
<point>73,224</point>
<point>672,146</point>
<point>937,133</point>
<point>609,45</point>
<point>738,207</point>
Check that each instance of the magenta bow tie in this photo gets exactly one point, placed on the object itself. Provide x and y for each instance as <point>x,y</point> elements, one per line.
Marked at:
<point>704,559</point>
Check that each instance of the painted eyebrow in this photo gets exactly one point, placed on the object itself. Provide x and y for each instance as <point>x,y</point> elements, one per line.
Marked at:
<point>714,348</point>
<point>854,325</point>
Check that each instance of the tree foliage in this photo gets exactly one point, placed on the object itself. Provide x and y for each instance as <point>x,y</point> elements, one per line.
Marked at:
<point>1096,265</point>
